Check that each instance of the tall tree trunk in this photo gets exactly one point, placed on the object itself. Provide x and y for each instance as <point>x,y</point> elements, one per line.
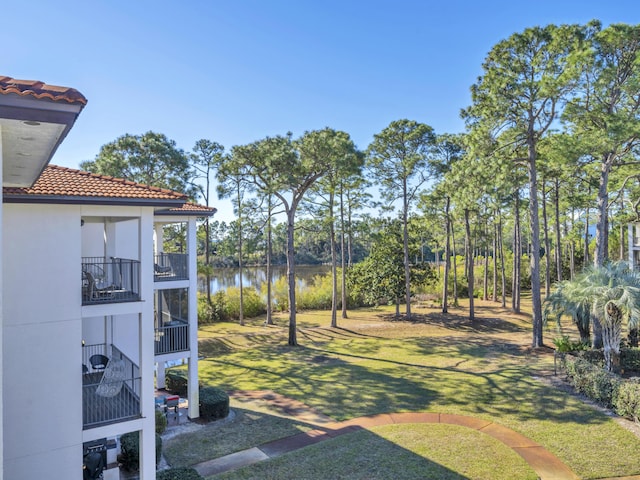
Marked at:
<point>517,253</point>
<point>536,301</point>
<point>239,198</point>
<point>291,277</point>
<point>586,235</point>
<point>407,266</point>
<point>547,244</point>
<point>485,277</point>
<point>334,265</point>
<point>502,265</point>
<point>343,264</point>
<point>455,263</point>
<point>447,256</point>
<point>467,254</point>
<point>455,266</point>
<point>572,259</point>
<point>622,232</point>
<point>467,227</point>
<point>602,214</point>
<point>602,234</point>
<point>349,237</point>
<point>494,295</point>
<point>269,320</point>
<point>556,202</point>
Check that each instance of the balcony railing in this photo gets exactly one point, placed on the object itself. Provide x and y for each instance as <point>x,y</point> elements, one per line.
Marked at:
<point>110,280</point>
<point>109,400</point>
<point>172,336</point>
<point>171,266</point>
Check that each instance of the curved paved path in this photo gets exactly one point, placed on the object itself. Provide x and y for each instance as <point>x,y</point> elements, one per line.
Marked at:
<point>543,462</point>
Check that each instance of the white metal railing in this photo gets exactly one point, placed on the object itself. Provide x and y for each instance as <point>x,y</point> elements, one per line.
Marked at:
<point>124,404</point>
<point>171,266</point>
<point>172,336</point>
<point>110,280</point>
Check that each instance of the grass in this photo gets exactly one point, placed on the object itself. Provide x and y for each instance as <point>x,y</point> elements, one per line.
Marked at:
<point>410,452</point>
<point>374,364</point>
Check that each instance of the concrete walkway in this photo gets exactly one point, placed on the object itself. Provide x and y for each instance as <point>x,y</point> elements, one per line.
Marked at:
<point>543,462</point>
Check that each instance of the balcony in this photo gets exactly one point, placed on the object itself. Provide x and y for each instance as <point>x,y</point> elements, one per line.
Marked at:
<point>171,266</point>
<point>172,336</point>
<point>110,393</point>
<point>110,280</point>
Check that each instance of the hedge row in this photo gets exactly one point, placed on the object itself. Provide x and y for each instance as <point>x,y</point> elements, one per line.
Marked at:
<point>214,403</point>
<point>629,358</point>
<point>178,474</point>
<point>608,389</point>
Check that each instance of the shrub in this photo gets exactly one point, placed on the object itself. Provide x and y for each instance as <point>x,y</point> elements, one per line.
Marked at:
<point>161,422</point>
<point>630,359</point>
<point>317,295</point>
<point>627,400</point>
<point>214,312</point>
<point>279,294</point>
<point>214,403</point>
<point>252,303</point>
<point>178,474</point>
<point>595,357</point>
<point>130,448</point>
<point>592,380</point>
<point>565,345</point>
<point>176,381</point>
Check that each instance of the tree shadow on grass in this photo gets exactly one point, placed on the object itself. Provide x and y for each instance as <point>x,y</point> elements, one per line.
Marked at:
<point>335,386</point>
<point>460,322</point>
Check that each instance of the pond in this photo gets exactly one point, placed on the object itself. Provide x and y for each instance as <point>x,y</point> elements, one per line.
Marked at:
<point>223,278</point>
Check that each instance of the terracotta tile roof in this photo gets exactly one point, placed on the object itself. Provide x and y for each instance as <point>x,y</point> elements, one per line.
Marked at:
<point>191,209</point>
<point>37,89</point>
<point>60,182</point>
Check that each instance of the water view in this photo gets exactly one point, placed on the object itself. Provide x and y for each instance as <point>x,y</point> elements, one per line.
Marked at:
<point>223,278</point>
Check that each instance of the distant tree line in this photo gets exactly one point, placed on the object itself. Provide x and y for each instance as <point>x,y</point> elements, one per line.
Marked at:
<point>542,183</point>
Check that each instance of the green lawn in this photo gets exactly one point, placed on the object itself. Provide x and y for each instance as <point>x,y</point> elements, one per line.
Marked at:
<point>372,364</point>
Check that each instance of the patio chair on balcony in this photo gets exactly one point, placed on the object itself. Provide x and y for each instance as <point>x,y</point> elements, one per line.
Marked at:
<point>112,379</point>
<point>98,361</point>
<point>99,288</point>
<point>162,269</point>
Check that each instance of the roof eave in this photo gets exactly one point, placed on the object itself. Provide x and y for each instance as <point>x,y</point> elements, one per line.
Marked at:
<point>71,200</point>
<point>29,109</point>
<point>186,213</point>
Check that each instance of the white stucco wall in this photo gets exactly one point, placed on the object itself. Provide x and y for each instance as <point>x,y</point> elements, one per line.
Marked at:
<point>1,321</point>
<point>44,328</point>
<point>42,381</point>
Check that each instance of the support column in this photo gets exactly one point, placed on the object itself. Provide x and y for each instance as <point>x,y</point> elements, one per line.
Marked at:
<point>160,378</point>
<point>159,238</point>
<point>146,346</point>
<point>194,394</point>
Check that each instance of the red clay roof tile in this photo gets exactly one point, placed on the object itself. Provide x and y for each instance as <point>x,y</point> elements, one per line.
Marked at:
<point>39,90</point>
<point>192,208</point>
<point>67,182</point>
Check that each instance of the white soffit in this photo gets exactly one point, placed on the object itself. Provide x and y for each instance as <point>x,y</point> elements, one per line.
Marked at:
<point>26,149</point>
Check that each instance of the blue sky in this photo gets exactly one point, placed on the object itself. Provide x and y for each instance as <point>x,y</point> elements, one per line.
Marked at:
<point>236,71</point>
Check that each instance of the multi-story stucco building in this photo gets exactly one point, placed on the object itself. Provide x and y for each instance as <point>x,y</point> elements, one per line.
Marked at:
<point>91,305</point>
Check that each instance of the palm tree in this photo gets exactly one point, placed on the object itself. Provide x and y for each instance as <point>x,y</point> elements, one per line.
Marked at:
<point>611,293</point>
<point>567,300</point>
